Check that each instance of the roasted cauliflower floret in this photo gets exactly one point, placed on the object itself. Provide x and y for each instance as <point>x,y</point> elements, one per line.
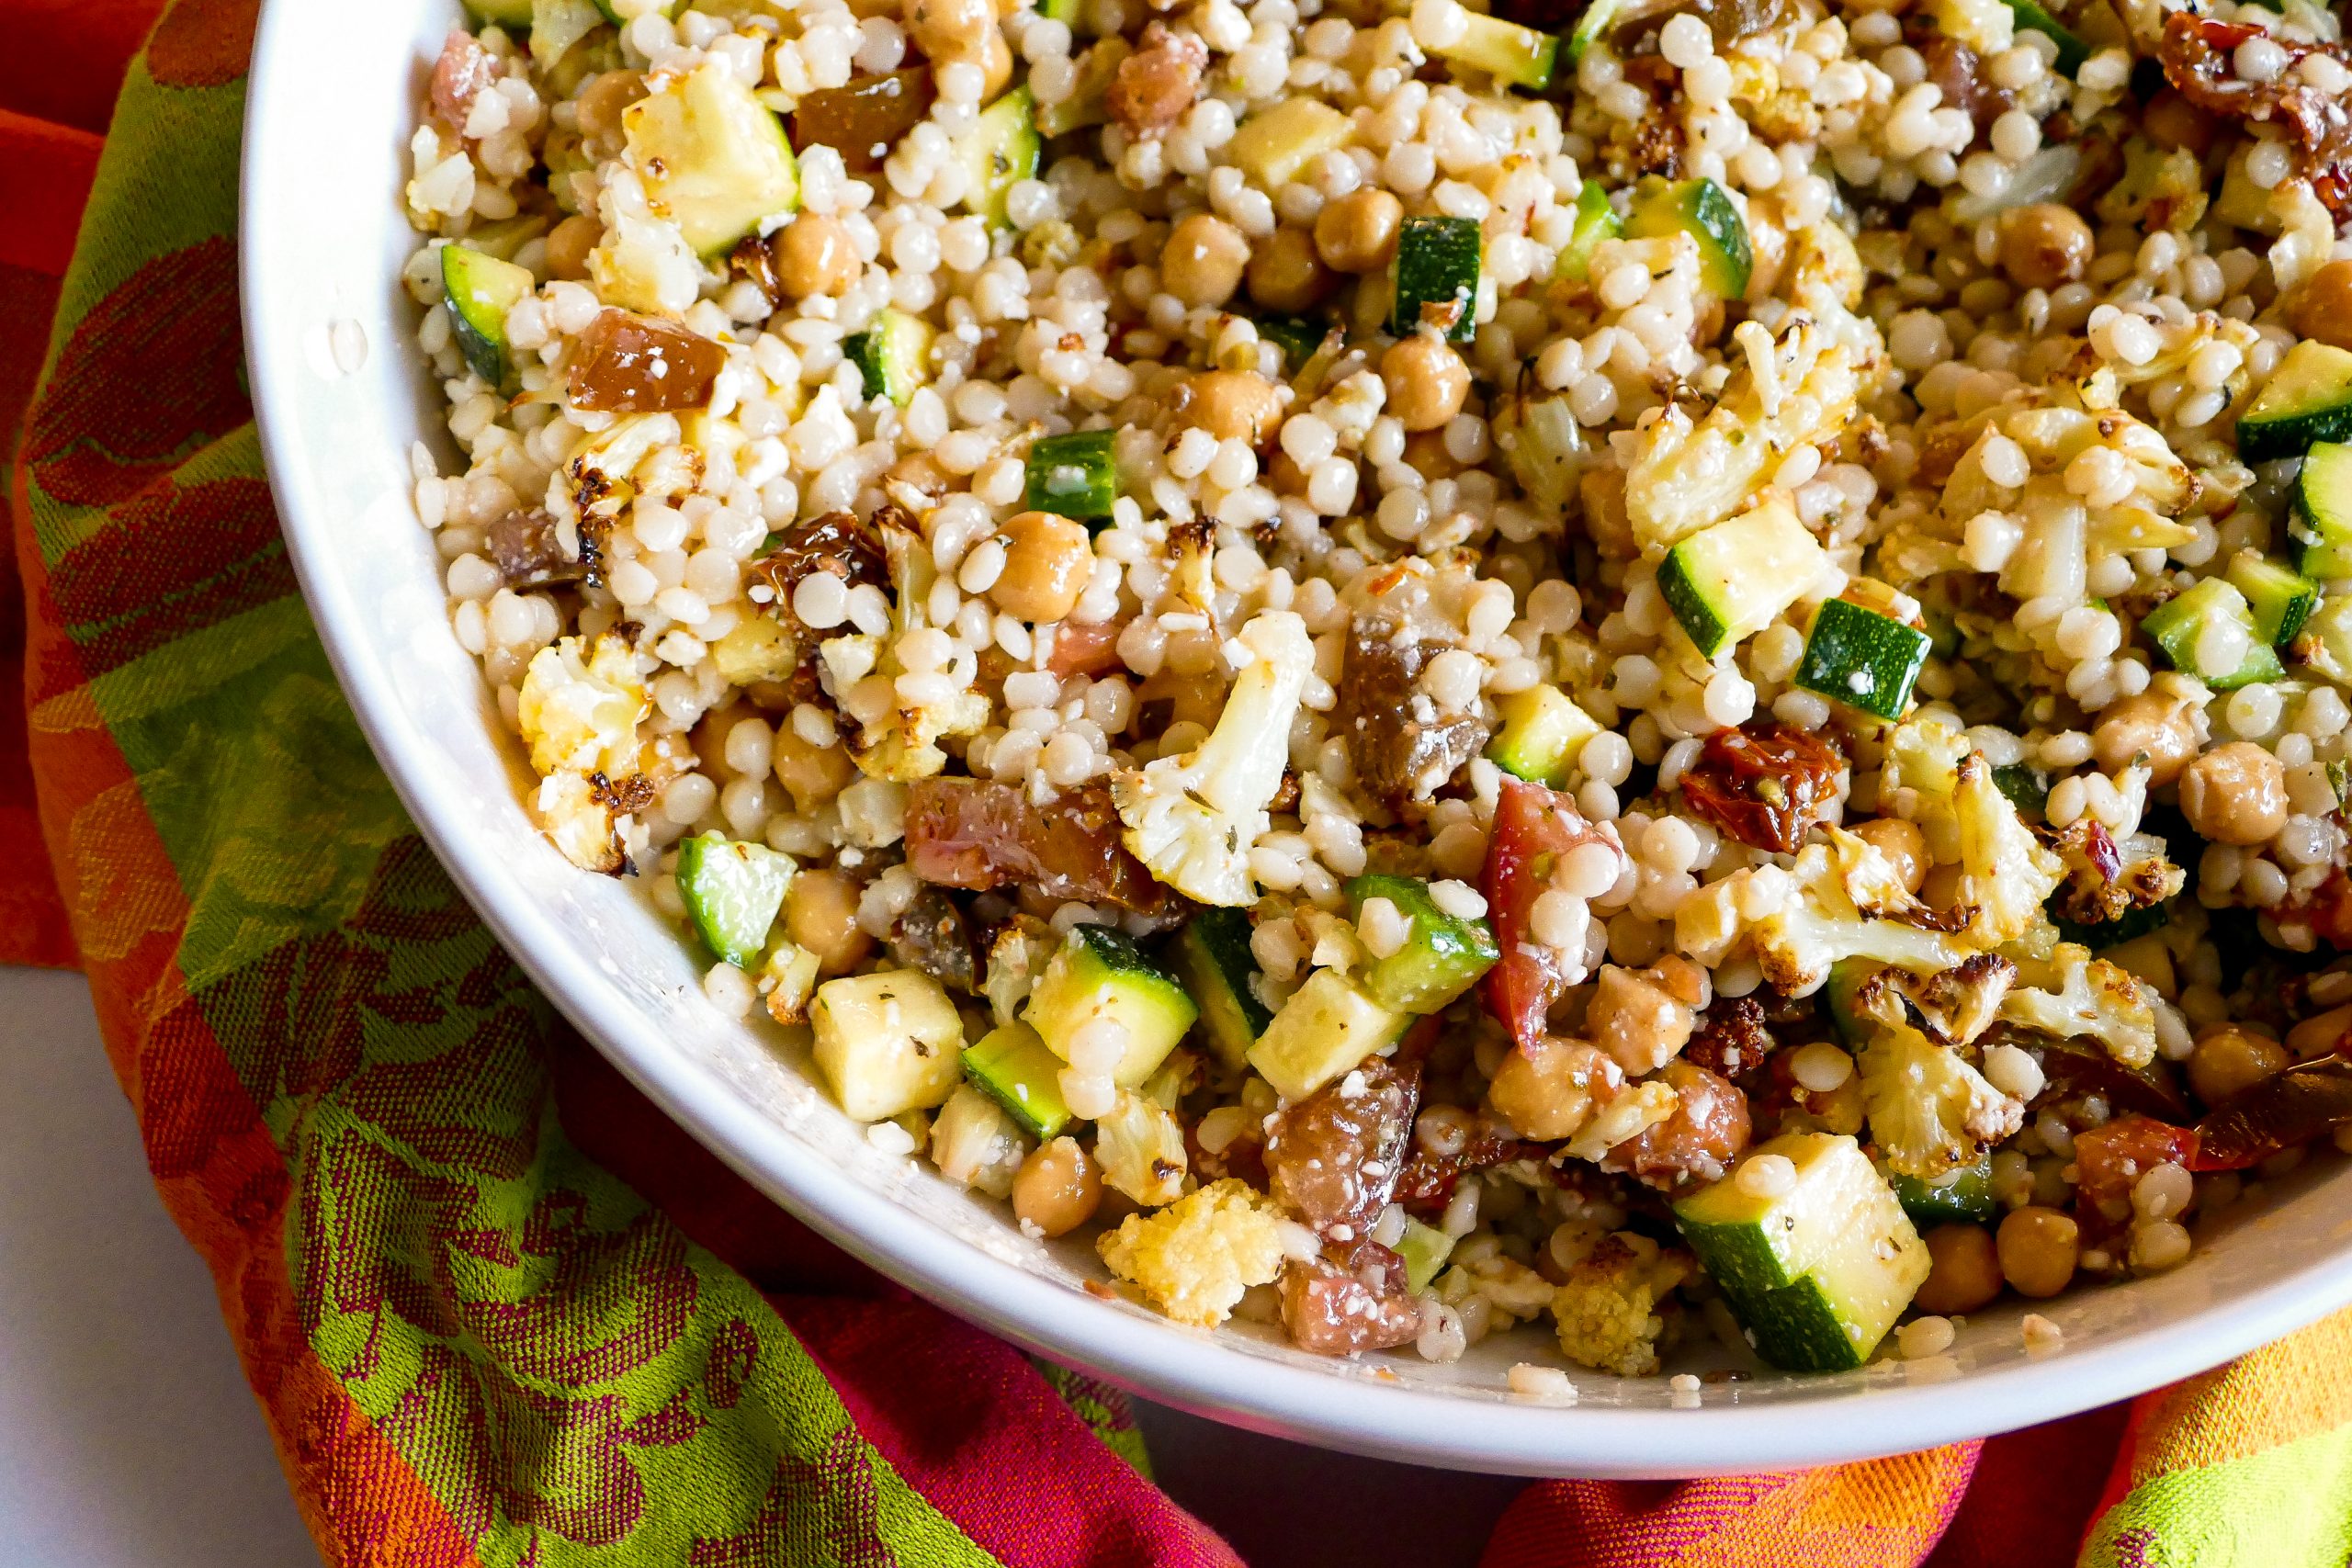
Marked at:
<point>2074,993</point>
<point>1607,1310</point>
<point>1195,1258</point>
<point>1802,921</point>
<point>1141,1146</point>
<point>1928,1110</point>
<point>2007,874</point>
<point>1193,818</point>
<point>580,820</point>
<point>580,705</point>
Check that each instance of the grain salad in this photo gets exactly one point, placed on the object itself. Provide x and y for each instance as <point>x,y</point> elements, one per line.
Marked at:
<point>1675,668</point>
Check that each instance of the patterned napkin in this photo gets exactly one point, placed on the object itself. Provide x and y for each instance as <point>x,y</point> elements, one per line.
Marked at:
<point>497,1311</point>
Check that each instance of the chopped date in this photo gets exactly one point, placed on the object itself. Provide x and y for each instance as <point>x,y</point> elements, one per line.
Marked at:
<point>1697,1144</point>
<point>1766,783</point>
<point>836,542</point>
<point>1333,1158</point>
<point>527,549</point>
<point>1333,1313</point>
<point>1402,749</point>
<point>1428,1178</point>
<point>2278,1113</point>
<point>2077,1070</point>
<point>2197,55</point>
<point>863,119</point>
<point>461,73</point>
<point>1154,86</point>
<point>932,936</point>
<point>1958,73</point>
<point>625,362</point>
<point>978,834</point>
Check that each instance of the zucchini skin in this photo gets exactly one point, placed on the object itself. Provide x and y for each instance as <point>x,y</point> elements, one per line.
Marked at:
<point>1438,263</point>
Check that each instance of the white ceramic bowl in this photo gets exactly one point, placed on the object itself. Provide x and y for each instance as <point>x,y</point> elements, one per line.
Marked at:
<point>341,396</point>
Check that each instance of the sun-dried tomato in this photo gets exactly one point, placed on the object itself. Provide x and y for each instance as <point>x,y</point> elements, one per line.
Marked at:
<point>2297,1106</point>
<point>835,542</point>
<point>1333,1311</point>
<point>2111,1156</point>
<point>2197,55</point>
<point>1533,827</point>
<point>1697,1144</point>
<point>1766,782</point>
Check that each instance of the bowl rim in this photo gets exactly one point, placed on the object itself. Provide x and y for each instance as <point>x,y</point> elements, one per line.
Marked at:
<point>1354,1410</point>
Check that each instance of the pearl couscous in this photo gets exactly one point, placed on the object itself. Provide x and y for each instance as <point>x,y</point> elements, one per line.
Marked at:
<point>1677,668</point>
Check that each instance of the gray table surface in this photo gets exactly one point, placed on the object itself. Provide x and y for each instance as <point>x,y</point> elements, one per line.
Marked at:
<point>128,1438</point>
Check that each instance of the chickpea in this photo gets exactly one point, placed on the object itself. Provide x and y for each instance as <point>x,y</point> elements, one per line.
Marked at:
<point>1941,888</point>
<point>2170,121</point>
<point>1548,1092</point>
<point>2038,1249</point>
<point>1285,274</point>
<point>1426,379</point>
<point>2322,306</point>
<point>600,103</point>
<point>812,775</point>
<point>2236,794</point>
<point>1202,262</point>
<point>1048,559</point>
<point>1057,1188</point>
<point>2045,245</point>
<point>2159,723</point>
<point>1232,405</point>
<point>951,30</point>
<point>820,915</point>
<point>1963,1270</point>
<point>1426,454</point>
<point>1902,843</point>
<point>1358,232</point>
<point>996,66</point>
<point>1286,476</point>
<point>568,243</point>
<point>2230,1058</point>
<point>814,254</point>
<point>2320,1034</point>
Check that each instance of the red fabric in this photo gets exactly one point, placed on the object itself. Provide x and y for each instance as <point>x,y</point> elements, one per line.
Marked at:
<point>950,1410</point>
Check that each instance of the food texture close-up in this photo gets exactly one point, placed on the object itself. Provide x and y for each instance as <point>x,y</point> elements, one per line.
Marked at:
<point>1670,673</point>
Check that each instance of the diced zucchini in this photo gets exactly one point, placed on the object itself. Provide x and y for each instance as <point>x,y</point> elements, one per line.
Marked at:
<point>2308,399</point>
<point>1437,278</point>
<point>1700,209</point>
<point>1817,1275</point>
<point>1541,734</point>
<point>2027,787</point>
<point>1424,1249</point>
<point>2210,632</point>
<point>1598,18</point>
<point>615,14</point>
<point>1063,11</point>
<point>1727,582</point>
<point>1274,146</point>
<point>2033,18</point>
<point>1963,1195</point>
<point>1098,974</point>
<point>1544,448</point>
<point>557,25</point>
<point>1296,337</point>
<point>482,289</point>
<point>713,158</point>
<point>1845,977</point>
<point>888,1044</point>
<point>1073,475</point>
<point>1014,1067</point>
<point>2100,935</point>
<point>998,153</point>
<point>1595,220</point>
<point>1443,956</point>
<point>2324,502</point>
<point>732,891</point>
<point>2339,780</point>
<point>1329,1026</point>
<point>1863,659</point>
<point>1211,955</point>
<point>1505,50</point>
<point>515,16</point>
<point>893,355</point>
<point>2324,562</point>
<point>2281,600</point>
